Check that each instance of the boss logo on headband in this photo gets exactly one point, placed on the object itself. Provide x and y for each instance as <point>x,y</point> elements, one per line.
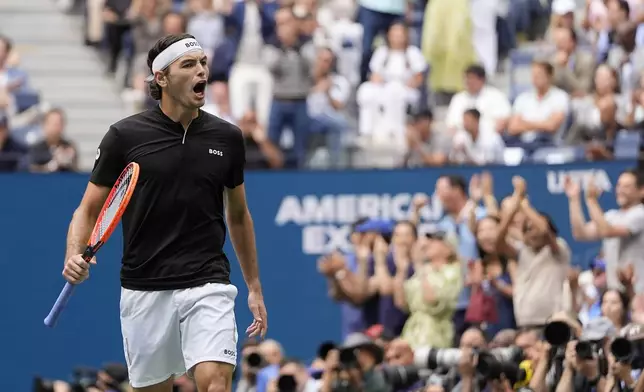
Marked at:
<point>191,44</point>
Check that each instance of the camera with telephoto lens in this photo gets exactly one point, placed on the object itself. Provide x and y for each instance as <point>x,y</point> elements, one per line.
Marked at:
<point>434,358</point>
<point>492,367</point>
<point>628,351</point>
<point>254,361</point>
<point>557,333</point>
<point>286,383</point>
<point>403,377</point>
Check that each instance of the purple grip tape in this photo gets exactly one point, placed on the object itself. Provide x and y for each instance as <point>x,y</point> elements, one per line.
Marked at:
<point>61,302</point>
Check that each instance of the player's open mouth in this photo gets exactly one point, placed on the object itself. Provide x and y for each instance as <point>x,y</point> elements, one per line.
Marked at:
<point>200,88</point>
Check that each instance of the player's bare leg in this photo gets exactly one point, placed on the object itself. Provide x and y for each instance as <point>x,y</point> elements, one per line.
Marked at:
<point>214,376</point>
<point>165,386</point>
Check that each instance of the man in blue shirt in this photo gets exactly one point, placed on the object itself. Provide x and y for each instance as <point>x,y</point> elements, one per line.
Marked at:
<point>452,192</point>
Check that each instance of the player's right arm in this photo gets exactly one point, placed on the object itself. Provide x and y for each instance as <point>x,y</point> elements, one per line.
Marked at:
<point>581,230</point>
<point>107,167</point>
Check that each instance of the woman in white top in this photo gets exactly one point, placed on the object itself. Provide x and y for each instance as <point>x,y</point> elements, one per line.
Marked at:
<point>396,76</point>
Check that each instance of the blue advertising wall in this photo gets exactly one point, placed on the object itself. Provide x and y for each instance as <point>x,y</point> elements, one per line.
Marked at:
<point>298,216</point>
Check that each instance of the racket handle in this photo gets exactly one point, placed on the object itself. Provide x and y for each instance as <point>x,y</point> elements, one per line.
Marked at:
<point>61,302</point>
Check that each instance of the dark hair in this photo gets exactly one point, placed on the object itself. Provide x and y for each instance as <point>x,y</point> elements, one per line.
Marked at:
<point>160,46</point>
<point>411,224</point>
<point>184,21</point>
<point>623,298</point>
<point>477,328</point>
<point>545,65</point>
<point>624,7</point>
<point>357,223</point>
<point>456,181</point>
<point>483,254</point>
<point>474,113</point>
<point>8,43</point>
<point>528,330</point>
<point>398,22</point>
<point>573,34</point>
<point>639,179</point>
<point>476,70</point>
<point>57,111</point>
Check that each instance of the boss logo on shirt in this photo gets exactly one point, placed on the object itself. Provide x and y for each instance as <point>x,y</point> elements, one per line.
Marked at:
<point>215,152</point>
<point>229,353</point>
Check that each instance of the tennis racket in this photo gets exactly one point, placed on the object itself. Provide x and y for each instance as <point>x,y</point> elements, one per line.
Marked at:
<point>108,219</point>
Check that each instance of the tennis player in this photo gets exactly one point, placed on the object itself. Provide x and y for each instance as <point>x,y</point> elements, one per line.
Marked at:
<point>177,302</point>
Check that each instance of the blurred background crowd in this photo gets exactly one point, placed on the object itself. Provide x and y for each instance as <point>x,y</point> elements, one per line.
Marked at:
<point>346,83</point>
<point>489,298</point>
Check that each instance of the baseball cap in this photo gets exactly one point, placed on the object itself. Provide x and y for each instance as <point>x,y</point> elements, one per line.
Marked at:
<point>380,226</point>
<point>597,329</point>
<point>598,264</point>
<point>563,7</point>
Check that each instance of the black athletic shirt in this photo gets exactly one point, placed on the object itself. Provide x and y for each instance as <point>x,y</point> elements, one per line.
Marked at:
<point>173,228</point>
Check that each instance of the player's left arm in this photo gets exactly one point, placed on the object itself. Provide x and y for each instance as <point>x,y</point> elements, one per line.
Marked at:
<point>242,235</point>
<point>240,223</point>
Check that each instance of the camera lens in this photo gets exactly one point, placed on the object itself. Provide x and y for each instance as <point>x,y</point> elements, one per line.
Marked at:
<point>557,333</point>
<point>286,383</point>
<point>254,360</point>
<point>622,349</point>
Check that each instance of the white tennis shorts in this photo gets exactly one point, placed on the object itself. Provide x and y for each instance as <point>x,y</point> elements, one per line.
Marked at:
<point>167,333</point>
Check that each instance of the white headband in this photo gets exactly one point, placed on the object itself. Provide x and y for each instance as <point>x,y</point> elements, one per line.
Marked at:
<point>172,53</point>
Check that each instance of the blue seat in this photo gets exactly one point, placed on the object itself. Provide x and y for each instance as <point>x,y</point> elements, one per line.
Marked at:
<point>25,99</point>
<point>517,89</point>
<point>518,59</point>
<point>627,144</point>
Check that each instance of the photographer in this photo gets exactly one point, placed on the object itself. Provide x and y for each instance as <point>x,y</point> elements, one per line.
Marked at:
<point>272,353</point>
<point>354,368</point>
<point>627,360</point>
<point>250,364</point>
<point>547,357</point>
<point>585,360</point>
<point>293,377</point>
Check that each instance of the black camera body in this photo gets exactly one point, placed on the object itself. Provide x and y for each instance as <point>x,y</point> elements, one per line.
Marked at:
<point>629,351</point>
<point>492,366</point>
<point>588,349</point>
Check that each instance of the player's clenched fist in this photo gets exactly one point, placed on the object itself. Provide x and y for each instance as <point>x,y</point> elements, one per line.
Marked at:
<point>76,269</point>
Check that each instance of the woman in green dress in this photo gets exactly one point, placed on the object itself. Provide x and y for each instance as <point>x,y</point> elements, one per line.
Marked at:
<point>430,294</point>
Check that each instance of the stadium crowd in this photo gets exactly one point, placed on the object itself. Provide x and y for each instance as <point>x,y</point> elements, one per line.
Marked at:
<point>364,84</point>
<point>487,300</point>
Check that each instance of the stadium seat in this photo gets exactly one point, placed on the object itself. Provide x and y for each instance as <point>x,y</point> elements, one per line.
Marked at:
<point>555,155</point>
<point>627,144</point>
<point>518,59</point>
<point>26,99</point>
<point>521,57</point>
